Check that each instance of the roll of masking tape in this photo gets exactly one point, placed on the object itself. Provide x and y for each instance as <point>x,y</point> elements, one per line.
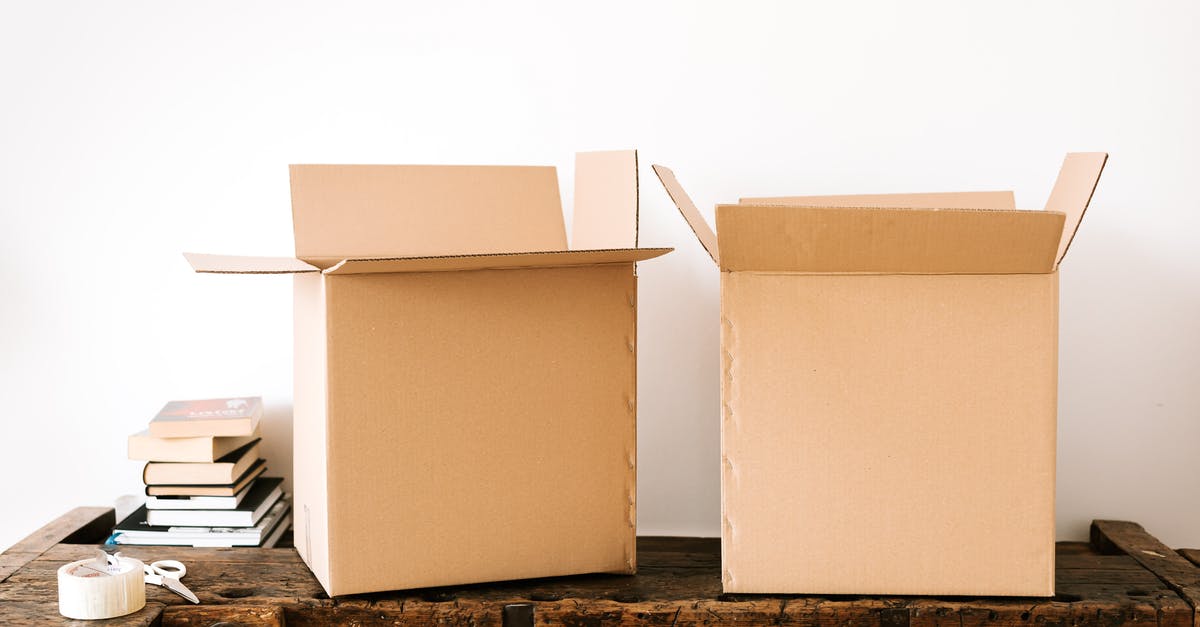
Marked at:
<point>101,587</point>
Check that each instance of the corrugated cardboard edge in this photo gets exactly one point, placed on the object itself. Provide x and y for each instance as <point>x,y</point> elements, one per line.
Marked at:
<point>704,232</point>
<point>631,442</point>
<point>1073,190</point>
<point>247,264</point>
<point>728,348</point>
<point>495,261</point>
<point>606,200</point>
<point>932,200</point>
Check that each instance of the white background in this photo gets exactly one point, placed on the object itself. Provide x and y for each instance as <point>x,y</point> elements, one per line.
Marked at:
<point>130,132</point>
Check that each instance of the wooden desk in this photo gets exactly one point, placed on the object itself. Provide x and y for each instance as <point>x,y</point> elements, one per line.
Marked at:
<point>1124,576</point>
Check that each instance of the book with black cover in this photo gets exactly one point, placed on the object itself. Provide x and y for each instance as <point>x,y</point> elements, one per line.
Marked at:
<point>198,502</point>
<point>262,495</point>
<point>135,530</point>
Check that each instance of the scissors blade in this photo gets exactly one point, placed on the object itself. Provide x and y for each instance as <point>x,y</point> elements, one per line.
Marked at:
<point>176,586</point>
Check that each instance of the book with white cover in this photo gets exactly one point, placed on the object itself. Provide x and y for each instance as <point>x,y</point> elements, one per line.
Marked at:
<point>134,531</point>
<point>262,495</point>
<point>200,448</point>
<point>223,471</point>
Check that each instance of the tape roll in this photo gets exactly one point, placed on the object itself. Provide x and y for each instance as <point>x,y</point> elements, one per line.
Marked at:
<point>87,592</point>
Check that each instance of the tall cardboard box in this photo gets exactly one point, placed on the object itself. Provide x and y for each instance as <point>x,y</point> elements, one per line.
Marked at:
<point>465,386</point>
<point>889,380</point>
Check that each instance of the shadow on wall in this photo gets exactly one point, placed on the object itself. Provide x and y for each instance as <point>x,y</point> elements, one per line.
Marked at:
<point>1129,384</point>
<point>276,427</point>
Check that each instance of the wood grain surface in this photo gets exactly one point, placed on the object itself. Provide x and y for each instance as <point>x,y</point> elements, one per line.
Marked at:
<point>1109,582</point>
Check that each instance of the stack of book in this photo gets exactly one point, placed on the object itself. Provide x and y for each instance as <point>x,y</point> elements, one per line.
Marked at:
<point>205,482</point>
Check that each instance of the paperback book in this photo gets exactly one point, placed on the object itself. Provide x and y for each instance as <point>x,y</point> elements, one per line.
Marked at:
<point>261,496</point>
<point>136,530</point>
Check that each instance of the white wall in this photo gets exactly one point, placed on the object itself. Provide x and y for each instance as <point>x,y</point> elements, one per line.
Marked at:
<point>132,131</point>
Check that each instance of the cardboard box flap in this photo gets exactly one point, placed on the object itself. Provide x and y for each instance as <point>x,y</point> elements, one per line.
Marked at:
<point>606,200</point>
<point>240,264</point>
<point>772,238</point>
<point>348,211</point>
<point>704,233</point>
<point>1073,191</point>
<point>936,200</point>
<point>499,261</point>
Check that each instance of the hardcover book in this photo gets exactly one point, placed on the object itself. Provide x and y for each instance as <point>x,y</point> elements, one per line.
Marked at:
<point>218,417</point>
<point>201,448</point>
<point>224,489</point>
<point>262,496</point>
<point>223,471</point>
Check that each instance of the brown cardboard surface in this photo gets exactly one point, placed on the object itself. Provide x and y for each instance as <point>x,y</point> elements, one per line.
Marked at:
<point>902,241</point>
<point>936,200</point>
<point>889,384</point>
<point>889,434</point>
<point>496,261</point>
<point>464,412</point>
<point>1073,192</point>
<point>415,210</point>
<point>708,239</point>
<point>606,200</point>
<point>310,397</point>
<point>243,264</point>
<point>496,410</point>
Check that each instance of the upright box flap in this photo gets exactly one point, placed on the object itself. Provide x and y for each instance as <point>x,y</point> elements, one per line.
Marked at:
<point>772,238</point>
<point>239,264</point>
<point>409,210</point>
<point>606,200</point>
<point>1073,191</point>
<point>935,200</point>
<point>495,261</point>
<point>704,233</point>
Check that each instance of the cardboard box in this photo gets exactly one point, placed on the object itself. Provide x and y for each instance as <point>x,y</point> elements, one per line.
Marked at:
<point>889,380</point>
<point>465,385</point>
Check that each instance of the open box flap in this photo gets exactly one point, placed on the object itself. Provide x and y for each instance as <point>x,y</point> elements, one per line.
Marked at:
<point>771,238</point>
<point>1073,191</point>
<point>606,200</point>
<point>935,200</point>
<point>499,261</point>
<point>704,233</point>
<point>244,264</point>
<point>342,211</point>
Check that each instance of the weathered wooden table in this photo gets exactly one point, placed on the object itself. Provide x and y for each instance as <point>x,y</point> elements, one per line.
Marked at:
<point>1123,577</point>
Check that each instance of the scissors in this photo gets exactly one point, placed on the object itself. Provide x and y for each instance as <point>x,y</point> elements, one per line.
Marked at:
<point>167,573</point>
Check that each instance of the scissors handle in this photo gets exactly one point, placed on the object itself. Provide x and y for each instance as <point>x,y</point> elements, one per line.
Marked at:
<point>169,568</point>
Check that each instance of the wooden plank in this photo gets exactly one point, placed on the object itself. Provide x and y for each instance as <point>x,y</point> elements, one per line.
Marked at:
<point>74,526</point>
<point>45,613</point>
<point>1173,569</point>
<point>678,583</point>
<point>241,615</point>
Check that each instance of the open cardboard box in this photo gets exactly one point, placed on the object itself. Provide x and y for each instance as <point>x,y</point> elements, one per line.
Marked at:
<point>465,386</point>
<point>889,388</point>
